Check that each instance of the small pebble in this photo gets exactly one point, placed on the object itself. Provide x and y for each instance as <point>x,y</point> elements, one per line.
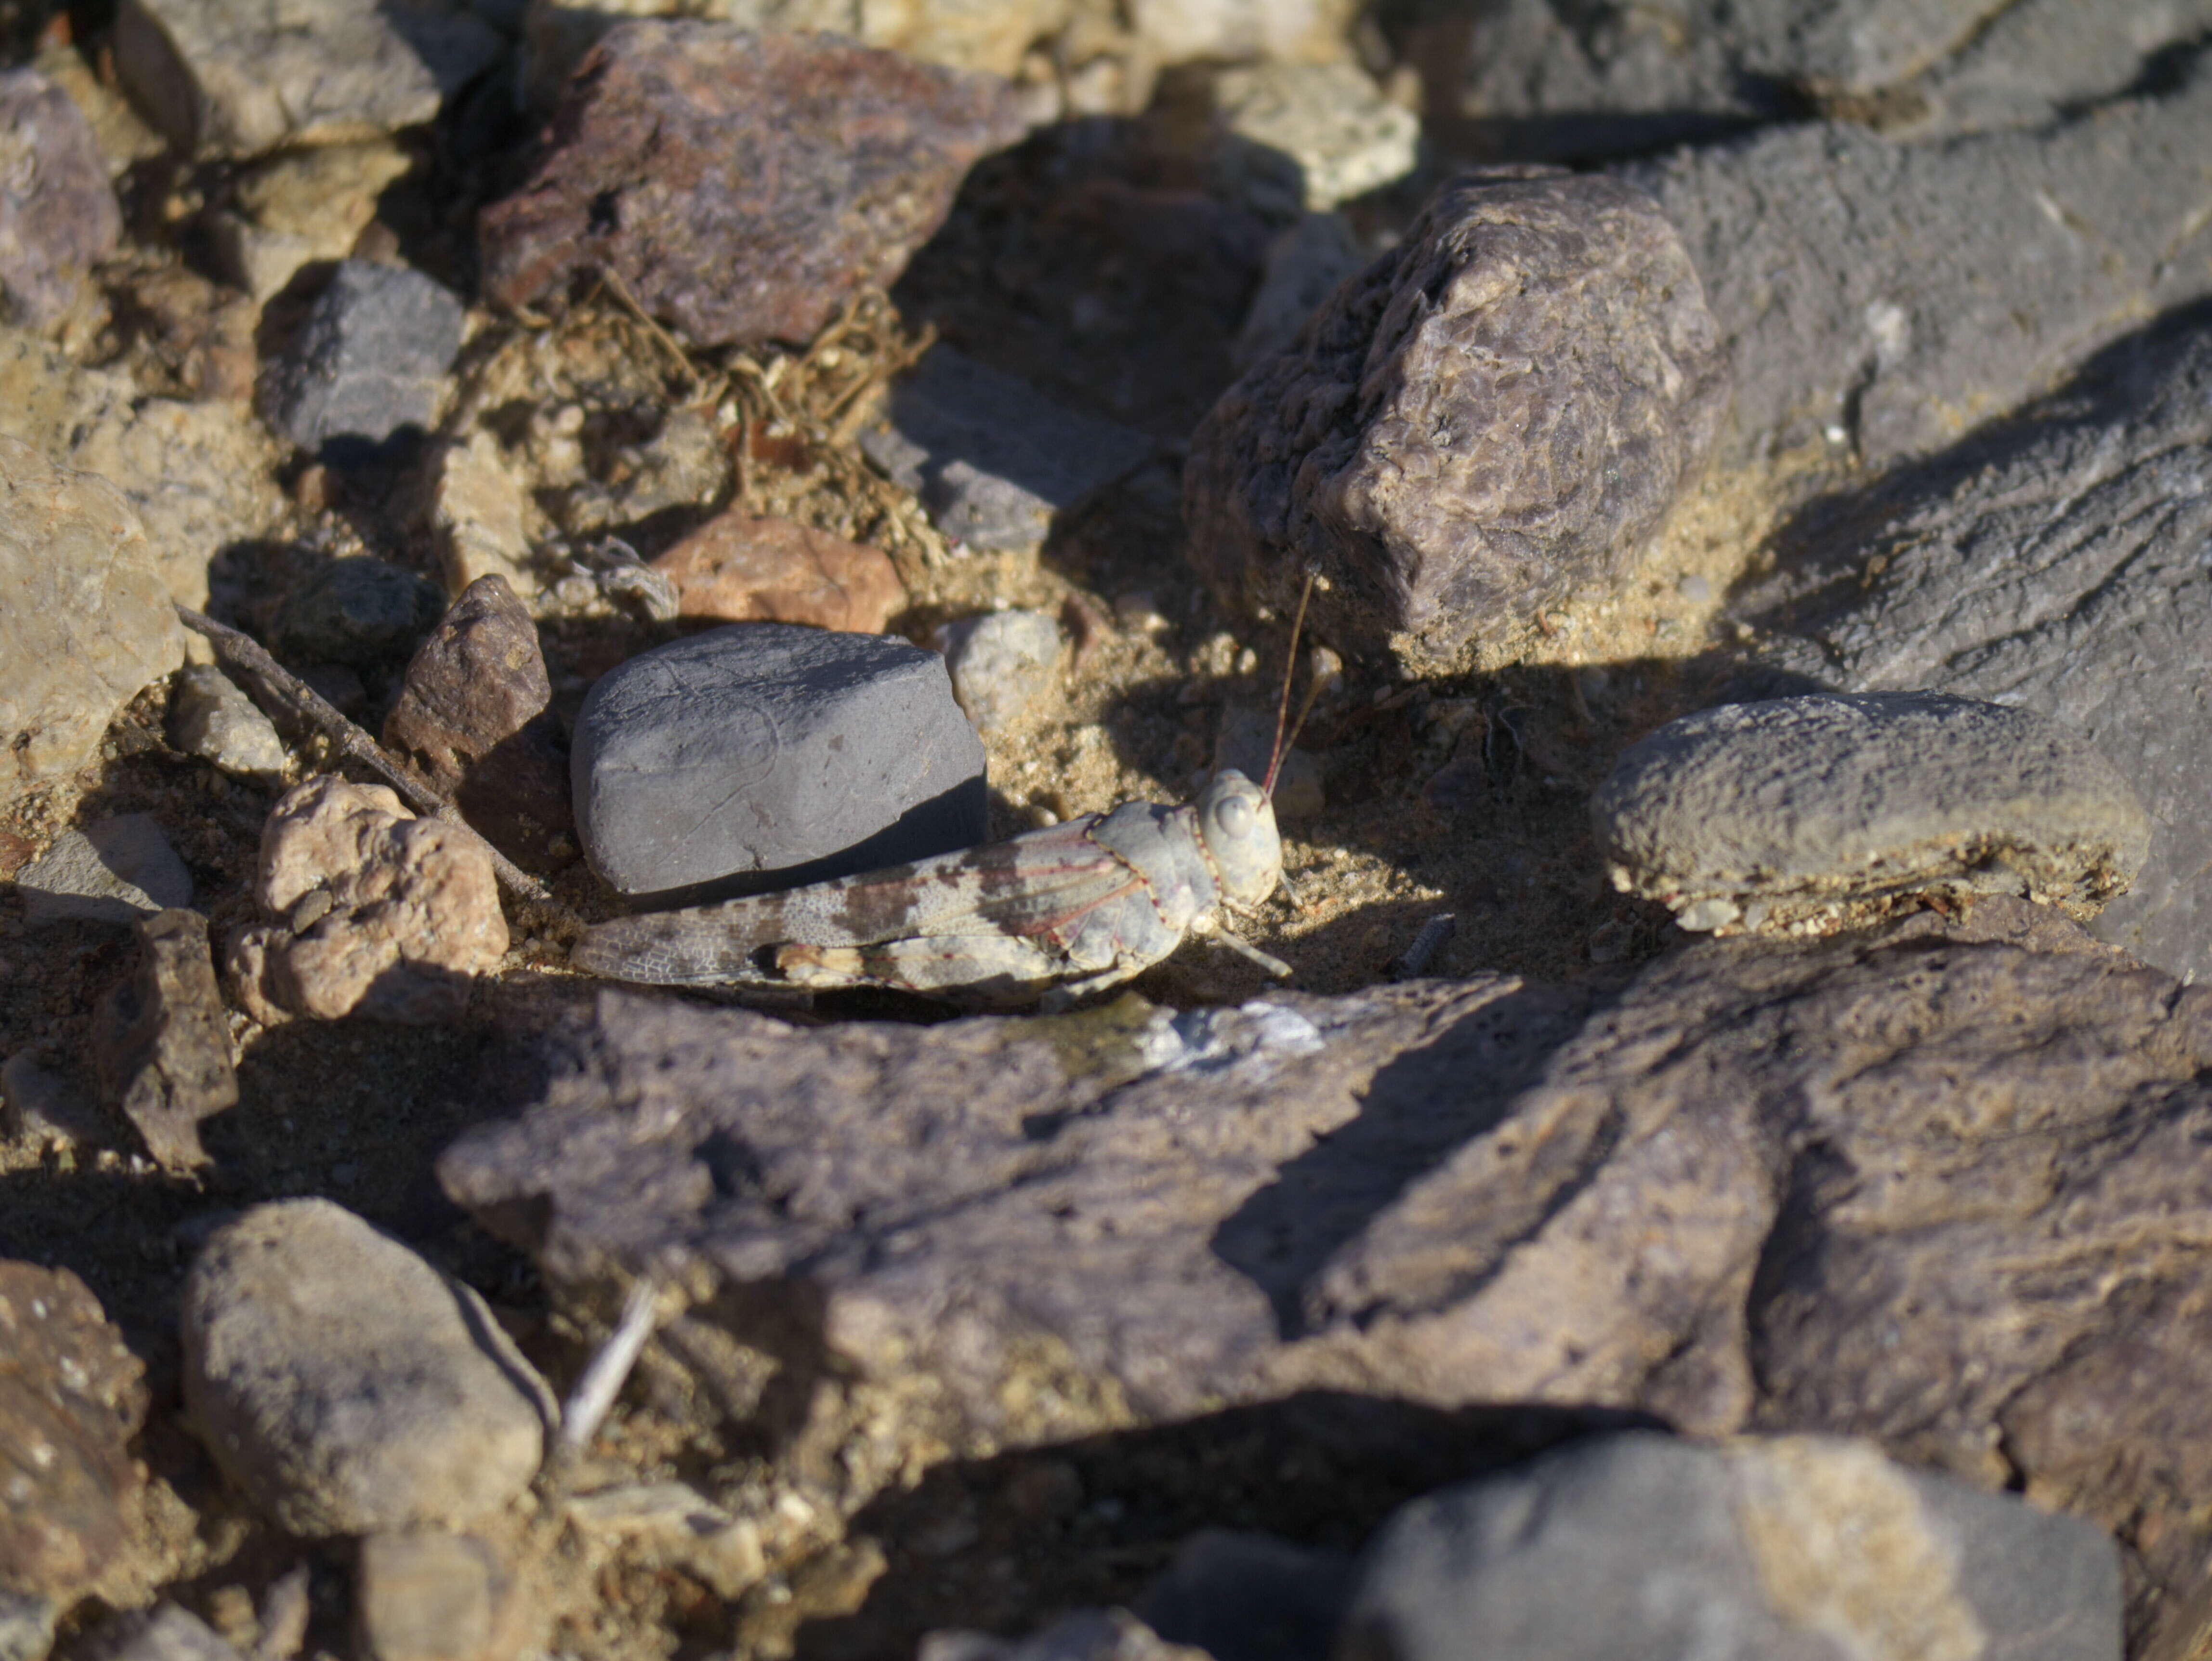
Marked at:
<point>117,871</point>
<point>1830,809</point>
<point>1001,663</point>
<point>211,717</point>
<point>1695,589</point>
<point>162,1040</point>
<point>740,569</point>
<point>368,363</point>
<point>346,1385</point>
<point>775,754</point>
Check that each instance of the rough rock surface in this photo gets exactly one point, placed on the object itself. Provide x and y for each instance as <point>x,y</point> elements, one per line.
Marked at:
<point>369,361</point>
<point>344,1384</point>
<point>1836,1171</point>
<point>478,515</point>
<point>211,717</point>
<point>775,753</point>
<point>117,870</point>
<point>84,621</point>
<point>70,1400</point>
<point>475,715</point>
<point>991,459</point>
<point>739,568</point>
<point>162,1040</point>
<point>385,915</point>
<point>1881,297</point>
<point>1000,663</point>
<point>358,611</point>
<point>1798,1546</point>
<point>427,1595</point>
<point>1490,419</point>
<point>739,185</point>
<point>231,78</point>
<point>1305,136</point>
<point>1827,810</point>
<point>2055,563</point>
<point>57,211</point>
<point>298,207</point>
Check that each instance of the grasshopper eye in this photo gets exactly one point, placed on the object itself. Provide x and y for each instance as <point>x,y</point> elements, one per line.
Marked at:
<point>1234,815</point>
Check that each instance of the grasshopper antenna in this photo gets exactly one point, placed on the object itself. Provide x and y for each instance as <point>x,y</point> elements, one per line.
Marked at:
<point>1283,708</point>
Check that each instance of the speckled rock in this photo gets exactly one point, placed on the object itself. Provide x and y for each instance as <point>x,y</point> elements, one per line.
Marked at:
<point>775,755</point>
<point>84,620</point>
<point>344,1384</point>
<point>740,184</point>
<point>384,916</point>
<point>362,613</point>
<point>475,715</point>
<point>369,361</point>
<point>229,79</point>
<point>1827,810</point>
<point>1489,422</point>
<point>1305,136</point>
<point>737,568</point>
<point>211,717</point>
<point>116,870</point>
<point>57,212</point>
<point>70,1400</point>
<point>1795,1548</point>
<point>1000,664</point>
<point>162,1040</point>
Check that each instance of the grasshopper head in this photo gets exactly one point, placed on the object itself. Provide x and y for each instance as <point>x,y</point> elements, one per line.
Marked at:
<point>1236,822</point>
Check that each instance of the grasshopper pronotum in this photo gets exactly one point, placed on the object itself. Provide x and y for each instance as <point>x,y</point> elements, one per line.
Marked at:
<point>1058,913</point>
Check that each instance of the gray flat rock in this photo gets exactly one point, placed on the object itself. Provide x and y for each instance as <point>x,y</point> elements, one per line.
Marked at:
<point>369,361</point>
<point>1826,809</point>
<point>1877,297</point>
<point>117,871</point>
<point>2054,562</point>
<point>346,1385</point>
<point>992,459</point>
<point>1793,1549</point>
<point>774,754</point>
<point>211,717</point>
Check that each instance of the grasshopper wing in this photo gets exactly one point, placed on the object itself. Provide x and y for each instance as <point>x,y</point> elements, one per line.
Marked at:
<point>1034,885</point>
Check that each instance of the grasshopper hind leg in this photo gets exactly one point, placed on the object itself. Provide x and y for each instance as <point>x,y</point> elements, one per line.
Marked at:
<point>984,969</point>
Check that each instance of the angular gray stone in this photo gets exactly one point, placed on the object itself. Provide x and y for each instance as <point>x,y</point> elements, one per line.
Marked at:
<point>2053,563</point>
<point>57,211</point>
<point>211,717</point>
<point>992,459</point>
<point>774,754</point>
<point>86,624</point>
<point>369,361</point>
<point>1827,809</point>
<point>162,1040</point>
<point>1490,420</point>
<point>1881,297</point>
<point>1795,1549</point>
<point>117,871</point>
<point>348,1387</point>
<point>228,77</point>
<point>1001,663</point>
<point>1934,1183</point>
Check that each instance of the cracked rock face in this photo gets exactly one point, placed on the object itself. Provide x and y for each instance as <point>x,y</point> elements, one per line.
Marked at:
<point>1807,1186</point>
<point>1490,420</point>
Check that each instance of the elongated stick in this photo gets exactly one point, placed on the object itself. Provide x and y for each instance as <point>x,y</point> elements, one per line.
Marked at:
<point>303,703</point>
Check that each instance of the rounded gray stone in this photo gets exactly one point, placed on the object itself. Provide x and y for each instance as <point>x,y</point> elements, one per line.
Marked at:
<point>770,754</point>
<point>1000,664</point>
<point>1832,807</point>
<point>348,1387</point>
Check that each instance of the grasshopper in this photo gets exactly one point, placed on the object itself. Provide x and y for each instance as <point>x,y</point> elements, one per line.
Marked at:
<point>1054,914</point>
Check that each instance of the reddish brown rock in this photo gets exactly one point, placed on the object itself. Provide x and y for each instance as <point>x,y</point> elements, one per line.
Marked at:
<point>741,185</point>
<point>161,1039</point>
<point>57,212</point>
<point>1489,421</point>
<point>71,1400</point>
<point>474,716</point>
<point>742,570</point>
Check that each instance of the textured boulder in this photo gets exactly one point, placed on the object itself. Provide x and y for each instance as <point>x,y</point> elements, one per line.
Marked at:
<point>773,754</point>
<point>384,916</point>
<point>84,621</point>
<point>741,185</point>
<point>1488,422</point>
<point>70,1400</point>
<point>1804,1185</point>
<point>475,716</point>
<point>162,1040</point>
<point>1825,810</point>
<point>231,78</point>
<point>344,1384</point>
<point>739,568</point>
<point>2053,563</point>
<point>1798,1548</point>
<point>57,211</point>
<point>368,362</point>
